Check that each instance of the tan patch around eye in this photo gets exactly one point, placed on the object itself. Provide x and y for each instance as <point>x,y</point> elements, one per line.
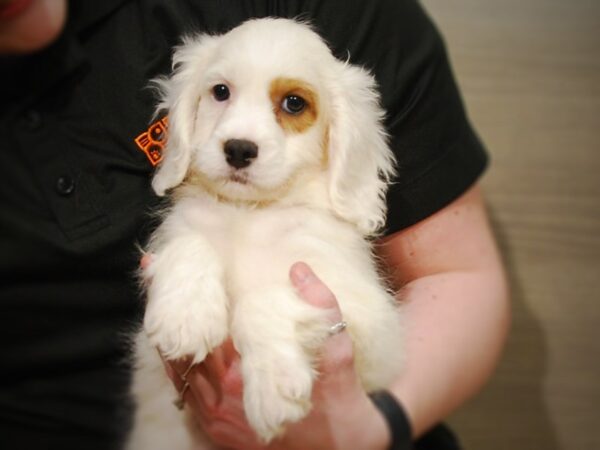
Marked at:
<point>294,123</point>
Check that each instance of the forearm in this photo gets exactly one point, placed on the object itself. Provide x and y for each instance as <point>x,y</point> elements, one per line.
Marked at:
<point>456,324</point>
<point>454,298</point>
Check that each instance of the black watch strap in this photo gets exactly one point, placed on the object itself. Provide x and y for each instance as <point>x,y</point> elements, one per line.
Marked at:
<point>396,419</point>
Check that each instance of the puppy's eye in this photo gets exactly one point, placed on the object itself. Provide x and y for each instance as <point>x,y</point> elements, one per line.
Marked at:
<point>221,92</point>
<point>293,104</point>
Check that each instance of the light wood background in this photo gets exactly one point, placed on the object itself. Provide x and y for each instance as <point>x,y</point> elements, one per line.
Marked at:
<point>529,71</point>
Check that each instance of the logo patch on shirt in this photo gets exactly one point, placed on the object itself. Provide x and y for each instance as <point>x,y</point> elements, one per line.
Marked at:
<point>152,142</point>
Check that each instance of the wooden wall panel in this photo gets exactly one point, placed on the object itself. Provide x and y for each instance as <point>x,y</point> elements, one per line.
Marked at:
<point>529,71</point>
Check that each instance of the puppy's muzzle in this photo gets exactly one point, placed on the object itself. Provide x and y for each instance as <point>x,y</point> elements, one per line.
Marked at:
<point>240,153</point>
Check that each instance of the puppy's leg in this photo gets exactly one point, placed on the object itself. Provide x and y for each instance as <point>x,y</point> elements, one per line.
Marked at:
<point>277,336</point>
<point>186,312</point>
<point>374,324</point>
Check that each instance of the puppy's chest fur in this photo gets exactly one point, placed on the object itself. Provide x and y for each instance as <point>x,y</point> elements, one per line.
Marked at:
<point>258,245</point>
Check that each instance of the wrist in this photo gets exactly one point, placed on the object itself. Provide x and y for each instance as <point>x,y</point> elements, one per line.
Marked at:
<point>378,436</point>
<point>399,430</point>
<point>362,426</point>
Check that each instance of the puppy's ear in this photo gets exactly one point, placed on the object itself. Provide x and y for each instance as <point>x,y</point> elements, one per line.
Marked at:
<point>360,161</point>
<point>180,96</point>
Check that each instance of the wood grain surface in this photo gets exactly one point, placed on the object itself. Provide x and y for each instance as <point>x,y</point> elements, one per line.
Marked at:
<point>529,71</point>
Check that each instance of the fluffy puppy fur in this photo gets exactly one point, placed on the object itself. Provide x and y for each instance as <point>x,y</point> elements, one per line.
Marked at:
<point>276,154</point>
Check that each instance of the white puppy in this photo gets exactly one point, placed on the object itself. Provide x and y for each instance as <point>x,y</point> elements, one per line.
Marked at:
<point>276,154</point>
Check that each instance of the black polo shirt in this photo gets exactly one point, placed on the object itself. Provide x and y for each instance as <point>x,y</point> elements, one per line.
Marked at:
<point>77,152</point>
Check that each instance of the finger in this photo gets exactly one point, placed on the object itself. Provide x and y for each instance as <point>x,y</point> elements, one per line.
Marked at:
<point>183,371</point>
<point>222,370</point>
<point>313,290</point>
<point>219,408</point>
<point>178,369</point>
<point>230,353</point>
<point>146,260</point>
<point>168,368</point>
<point>214,364</point>
<point>337,350</point>
<point>192,385</point>
<point>203,390</point>
<point>219,360</point>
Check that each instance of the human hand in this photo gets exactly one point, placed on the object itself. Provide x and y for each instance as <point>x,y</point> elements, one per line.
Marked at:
<point>342,417</point>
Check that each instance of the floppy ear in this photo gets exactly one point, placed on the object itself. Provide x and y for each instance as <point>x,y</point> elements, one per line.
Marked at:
<point>361,163</point>
<point>179,96</point>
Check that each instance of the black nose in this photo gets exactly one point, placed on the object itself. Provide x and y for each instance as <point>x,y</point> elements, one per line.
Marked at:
<point>239,153</point>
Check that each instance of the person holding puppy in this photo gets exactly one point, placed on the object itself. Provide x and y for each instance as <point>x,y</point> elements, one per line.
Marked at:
<point>78,151</point>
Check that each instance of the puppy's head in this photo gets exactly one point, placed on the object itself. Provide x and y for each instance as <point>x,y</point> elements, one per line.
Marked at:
<point>256,111</point>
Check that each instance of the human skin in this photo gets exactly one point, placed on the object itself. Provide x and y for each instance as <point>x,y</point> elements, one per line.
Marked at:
<point>455,302</point>
<point>27,26</point>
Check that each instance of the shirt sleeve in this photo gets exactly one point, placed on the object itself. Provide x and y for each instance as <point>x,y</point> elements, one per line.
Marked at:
<point>438,153</point>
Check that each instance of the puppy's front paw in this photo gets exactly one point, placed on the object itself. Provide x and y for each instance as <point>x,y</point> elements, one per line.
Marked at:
<point>276,392</point>
<point>187,320</point>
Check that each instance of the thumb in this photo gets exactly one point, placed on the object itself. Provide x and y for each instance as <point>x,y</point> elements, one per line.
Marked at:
<point>337,349</point>
<point>312,289</point>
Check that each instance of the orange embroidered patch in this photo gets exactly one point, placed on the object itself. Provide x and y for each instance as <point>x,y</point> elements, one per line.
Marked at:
<point>152,142</point>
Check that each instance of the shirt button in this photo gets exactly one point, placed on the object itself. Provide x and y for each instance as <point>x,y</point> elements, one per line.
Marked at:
<point>33,119</point>
<point>65,185</point>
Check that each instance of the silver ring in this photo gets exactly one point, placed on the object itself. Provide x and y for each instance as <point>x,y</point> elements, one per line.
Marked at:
<point>337,327</point>
<point>187,372</point>
<point>179,402</point>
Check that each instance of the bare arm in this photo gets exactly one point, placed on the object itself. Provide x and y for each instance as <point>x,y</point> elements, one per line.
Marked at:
<point>455,302</point>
